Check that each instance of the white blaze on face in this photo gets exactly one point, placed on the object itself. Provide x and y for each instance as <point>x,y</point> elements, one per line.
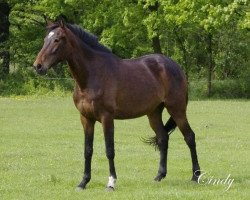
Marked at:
<point>111,182</point>
<point>50,34</point>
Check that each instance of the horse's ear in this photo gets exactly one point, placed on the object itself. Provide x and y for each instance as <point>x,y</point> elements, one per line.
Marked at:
<point>62,23</point>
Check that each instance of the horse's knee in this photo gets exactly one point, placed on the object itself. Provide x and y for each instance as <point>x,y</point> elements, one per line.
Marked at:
<point>110,153</point>
<point>88,152</point>
<point>88,148</point>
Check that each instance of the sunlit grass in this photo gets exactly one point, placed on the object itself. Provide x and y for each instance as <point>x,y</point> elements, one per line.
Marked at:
<point>41,153</point>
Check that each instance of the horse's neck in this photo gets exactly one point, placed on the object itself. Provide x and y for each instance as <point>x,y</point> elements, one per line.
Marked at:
<point>82,64</point>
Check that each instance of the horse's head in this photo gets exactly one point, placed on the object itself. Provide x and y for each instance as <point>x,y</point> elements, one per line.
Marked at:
<point>54,49</point>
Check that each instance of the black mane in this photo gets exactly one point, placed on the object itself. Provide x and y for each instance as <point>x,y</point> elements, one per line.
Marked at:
<point>88,38</point>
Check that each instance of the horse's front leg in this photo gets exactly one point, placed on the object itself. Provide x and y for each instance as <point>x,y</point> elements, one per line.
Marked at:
<point>108,129</point>
<point>88,126</point>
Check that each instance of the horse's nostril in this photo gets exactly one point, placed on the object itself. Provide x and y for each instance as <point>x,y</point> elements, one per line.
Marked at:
<point>39,66</point>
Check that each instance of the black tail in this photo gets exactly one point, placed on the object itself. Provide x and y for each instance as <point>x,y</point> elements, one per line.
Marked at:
<point>169,127</point>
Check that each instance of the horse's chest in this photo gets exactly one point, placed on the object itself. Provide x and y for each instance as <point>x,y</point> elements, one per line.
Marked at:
<point>86,104</point>
<point>85,107</point>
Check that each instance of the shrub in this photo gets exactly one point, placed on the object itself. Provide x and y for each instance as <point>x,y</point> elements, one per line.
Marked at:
<point>28,83</point>
<point>221,89</point>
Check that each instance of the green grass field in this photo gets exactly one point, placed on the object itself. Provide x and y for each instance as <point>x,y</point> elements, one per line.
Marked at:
<point>41,153</point>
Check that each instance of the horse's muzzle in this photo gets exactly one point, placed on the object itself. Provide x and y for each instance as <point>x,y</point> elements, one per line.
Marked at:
<point>40,69</point>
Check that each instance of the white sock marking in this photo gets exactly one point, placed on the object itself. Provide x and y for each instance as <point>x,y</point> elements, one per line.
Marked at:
<point>111,182</point>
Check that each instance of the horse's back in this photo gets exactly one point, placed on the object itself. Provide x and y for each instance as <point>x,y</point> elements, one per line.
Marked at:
<point>160,68</point>
<point>145,82</point>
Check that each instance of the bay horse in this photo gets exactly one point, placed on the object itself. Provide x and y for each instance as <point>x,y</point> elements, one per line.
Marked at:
<point>108,87</point>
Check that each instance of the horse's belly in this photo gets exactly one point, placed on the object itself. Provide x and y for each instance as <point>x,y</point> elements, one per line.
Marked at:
<point>132,105</point>
<point>128,115</point>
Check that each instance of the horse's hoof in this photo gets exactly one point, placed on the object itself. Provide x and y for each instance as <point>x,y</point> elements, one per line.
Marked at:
<point>110,189</point>
<point>195,179</point>
<point>159,177</point>
<point>196,175</point>
<point>79,189</point>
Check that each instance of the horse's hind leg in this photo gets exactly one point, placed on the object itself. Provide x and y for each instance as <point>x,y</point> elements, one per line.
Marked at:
<point>178,113</point>
<point>155,120</point>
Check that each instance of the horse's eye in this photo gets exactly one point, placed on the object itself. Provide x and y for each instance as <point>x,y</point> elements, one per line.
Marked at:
<point>56,40</point>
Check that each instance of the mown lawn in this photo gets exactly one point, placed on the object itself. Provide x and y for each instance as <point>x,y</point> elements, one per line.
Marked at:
<point>41,153</point>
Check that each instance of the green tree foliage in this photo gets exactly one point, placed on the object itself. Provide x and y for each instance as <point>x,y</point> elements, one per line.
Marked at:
<point>209,38</point>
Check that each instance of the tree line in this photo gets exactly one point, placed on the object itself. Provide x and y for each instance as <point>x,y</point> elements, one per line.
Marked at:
<point>208,38</point>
